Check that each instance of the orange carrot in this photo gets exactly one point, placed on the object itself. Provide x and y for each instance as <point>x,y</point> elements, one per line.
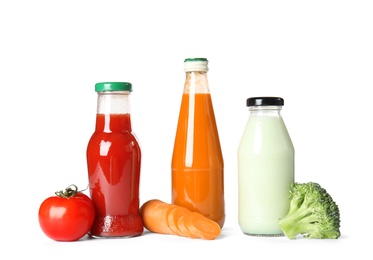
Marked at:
<point>183,227</point>
<point>201,226</point>
<point>174,215</point>
<point>161,217</point>
<point>154,214</point>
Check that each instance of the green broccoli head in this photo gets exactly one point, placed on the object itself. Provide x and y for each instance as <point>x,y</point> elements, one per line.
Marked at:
<point>313,213</point>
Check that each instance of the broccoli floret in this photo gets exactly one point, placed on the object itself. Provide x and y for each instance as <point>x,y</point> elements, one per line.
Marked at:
<point>313,213</point>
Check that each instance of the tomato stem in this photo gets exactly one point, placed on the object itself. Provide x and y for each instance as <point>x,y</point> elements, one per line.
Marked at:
<point>70,191</point>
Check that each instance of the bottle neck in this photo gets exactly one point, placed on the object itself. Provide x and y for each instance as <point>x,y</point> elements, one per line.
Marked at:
<point>269,111</point>
<point>113,102</point>
<point>113,112</point>
<point>196,82</point>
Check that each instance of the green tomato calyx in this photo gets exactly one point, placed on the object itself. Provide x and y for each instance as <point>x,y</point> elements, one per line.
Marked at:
<point>69,192</point>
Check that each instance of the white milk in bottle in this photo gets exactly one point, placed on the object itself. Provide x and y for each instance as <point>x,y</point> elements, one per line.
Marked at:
<point>265,168</point>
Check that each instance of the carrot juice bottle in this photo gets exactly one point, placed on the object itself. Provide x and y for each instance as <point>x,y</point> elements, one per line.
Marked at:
<point>197,161</point>
<point>114,159</point>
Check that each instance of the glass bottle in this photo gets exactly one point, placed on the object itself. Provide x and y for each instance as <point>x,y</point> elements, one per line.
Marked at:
<point>197,160</point>
<point>114,160</point>
<point>265,168</point>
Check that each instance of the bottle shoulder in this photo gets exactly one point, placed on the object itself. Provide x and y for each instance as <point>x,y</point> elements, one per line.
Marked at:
<point>266,131</point>
<point>116,142</point>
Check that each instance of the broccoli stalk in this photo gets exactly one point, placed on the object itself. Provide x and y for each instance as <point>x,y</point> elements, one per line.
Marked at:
<point>312,213</point>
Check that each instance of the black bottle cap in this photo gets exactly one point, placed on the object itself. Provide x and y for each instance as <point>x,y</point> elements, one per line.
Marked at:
<point>264,101</point>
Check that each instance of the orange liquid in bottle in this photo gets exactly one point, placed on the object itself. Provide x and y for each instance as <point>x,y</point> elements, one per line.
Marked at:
<point>197,162</point>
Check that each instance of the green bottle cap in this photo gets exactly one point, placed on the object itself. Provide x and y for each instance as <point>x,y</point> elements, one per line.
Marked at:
<point>113,86</point>
<point>195,64</point>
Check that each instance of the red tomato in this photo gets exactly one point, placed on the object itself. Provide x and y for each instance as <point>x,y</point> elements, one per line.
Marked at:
<point>68,216</point>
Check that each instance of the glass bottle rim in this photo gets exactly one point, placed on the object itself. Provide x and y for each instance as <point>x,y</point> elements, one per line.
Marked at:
<point>196,64</point>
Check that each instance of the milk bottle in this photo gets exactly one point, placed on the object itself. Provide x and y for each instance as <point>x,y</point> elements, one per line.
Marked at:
<point>265,168</point>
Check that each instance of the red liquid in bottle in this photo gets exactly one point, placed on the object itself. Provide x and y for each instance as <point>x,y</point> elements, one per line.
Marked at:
<point>114,158</point>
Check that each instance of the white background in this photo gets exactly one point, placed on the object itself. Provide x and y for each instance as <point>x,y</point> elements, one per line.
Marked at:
<point>317,55</point>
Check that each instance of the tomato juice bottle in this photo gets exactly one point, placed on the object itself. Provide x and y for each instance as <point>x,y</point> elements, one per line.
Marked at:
<point>197,160</point>
<point>114,161</point>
